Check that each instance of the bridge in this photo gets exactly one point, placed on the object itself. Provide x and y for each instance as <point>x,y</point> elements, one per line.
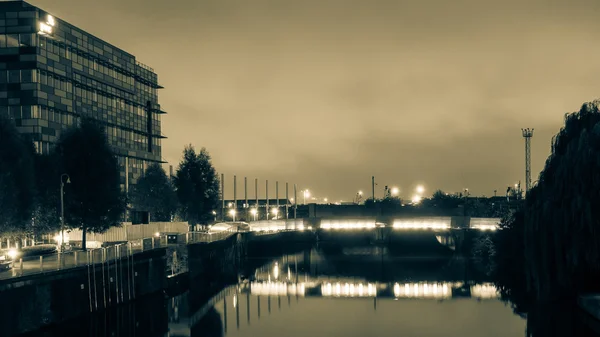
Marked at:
<point>433,223</point>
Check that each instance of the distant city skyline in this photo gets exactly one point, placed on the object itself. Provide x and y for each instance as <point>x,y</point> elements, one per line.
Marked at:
<point>326,94</point>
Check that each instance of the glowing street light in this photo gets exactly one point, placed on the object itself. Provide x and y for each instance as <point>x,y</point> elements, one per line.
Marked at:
<point>62,209</point>
<point>306,194</point>
<point>254,212</point>
<point>232,213</point>
<point>325,199</point>
<point>275,211</point>
<point>395,191</point>
<point>416,199</point>
<point>420,189</point>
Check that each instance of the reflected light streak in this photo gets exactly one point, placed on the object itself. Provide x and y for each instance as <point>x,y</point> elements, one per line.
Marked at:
<point>276,271</point>
<point>277,288</point>
<point>348,290</point>
<point>484,291</point>
<point>423,290</point>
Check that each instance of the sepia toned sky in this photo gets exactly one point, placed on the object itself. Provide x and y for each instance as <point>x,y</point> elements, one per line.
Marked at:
<point>327,93</point>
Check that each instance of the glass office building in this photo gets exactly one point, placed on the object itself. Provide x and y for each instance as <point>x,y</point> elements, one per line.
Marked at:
<point>53,73</point>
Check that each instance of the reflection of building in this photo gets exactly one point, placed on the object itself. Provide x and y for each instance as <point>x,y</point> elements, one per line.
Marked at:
<point>55,73</point>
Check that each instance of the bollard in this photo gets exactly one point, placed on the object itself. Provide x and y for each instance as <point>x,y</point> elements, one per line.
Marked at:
<point>76,262</point>
<point>41,263</point>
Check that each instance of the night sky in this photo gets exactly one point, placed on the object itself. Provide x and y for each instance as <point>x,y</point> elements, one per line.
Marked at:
<point>327,93</point>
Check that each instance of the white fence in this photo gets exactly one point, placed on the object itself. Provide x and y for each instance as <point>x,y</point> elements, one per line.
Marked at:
<point>129,232</point>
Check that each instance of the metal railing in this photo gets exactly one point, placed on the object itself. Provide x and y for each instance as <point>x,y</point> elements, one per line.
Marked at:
<point>29,265</point>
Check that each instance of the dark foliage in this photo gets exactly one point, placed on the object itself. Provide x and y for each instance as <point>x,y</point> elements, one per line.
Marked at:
<point>562,232</point>
<point>197,187</point>
<point>17,187</point>
<point>509,262</point>
<point>46,213</point>
<point>93,200</point>
<point>154,193</point>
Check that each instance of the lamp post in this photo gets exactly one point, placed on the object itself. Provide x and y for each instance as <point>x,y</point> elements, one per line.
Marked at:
<point>232,213</point>
<point>275,211</point>
<point>62,209</point>
<point>254,211</point>
<point>306,194</point>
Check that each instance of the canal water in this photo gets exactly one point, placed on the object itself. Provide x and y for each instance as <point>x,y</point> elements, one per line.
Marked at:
<point>333,291</point>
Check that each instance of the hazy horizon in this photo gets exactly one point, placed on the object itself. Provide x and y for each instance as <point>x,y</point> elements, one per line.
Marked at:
<point>326,94</point>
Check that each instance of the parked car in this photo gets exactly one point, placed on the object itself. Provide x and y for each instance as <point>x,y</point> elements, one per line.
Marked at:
<point>7,257</point>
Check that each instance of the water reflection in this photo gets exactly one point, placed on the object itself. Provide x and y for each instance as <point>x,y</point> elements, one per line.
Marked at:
<point>351,291</point>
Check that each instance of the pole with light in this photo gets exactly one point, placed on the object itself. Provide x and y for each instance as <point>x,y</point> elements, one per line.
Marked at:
<point>232,213</point>
<point>306,194</point>
<point>254,211</point>
<point>62,209</point>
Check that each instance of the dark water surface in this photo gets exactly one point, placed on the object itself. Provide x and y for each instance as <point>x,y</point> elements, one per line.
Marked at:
<point>359,291</point>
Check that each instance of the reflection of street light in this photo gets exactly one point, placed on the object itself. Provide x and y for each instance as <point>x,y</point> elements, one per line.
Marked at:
<point>62,209</point>
<point>276,271</point>
<point>395,191</point>
<point>254,211</point>
<point>420,189</point>
<point>232,213</point>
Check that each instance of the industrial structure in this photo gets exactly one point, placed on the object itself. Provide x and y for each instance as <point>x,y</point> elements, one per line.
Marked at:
<point>527,134</point>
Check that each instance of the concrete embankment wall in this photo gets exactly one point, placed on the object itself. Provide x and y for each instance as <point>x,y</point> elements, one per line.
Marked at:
<point>31,302</point>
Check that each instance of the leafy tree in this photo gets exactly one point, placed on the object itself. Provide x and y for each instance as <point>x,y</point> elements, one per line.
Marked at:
<point>17,187</point>
<point>442,200</point>
<point>93,200</point>
<point>197,186</point>
<point>46,217</point>
<point>154,193</point>
<point>509,262</point>
<point>562,236</point>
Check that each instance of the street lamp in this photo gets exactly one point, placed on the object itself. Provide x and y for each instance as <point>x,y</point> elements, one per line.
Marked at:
<point>275,211</point>
<point>395,191</point>
<point>420,189</point>
<point>254,212</point>
<point>62,209</point>
<point>215,214</point>
<point>325,199</point>
<point>306,194</point>
<point>232,213</point>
